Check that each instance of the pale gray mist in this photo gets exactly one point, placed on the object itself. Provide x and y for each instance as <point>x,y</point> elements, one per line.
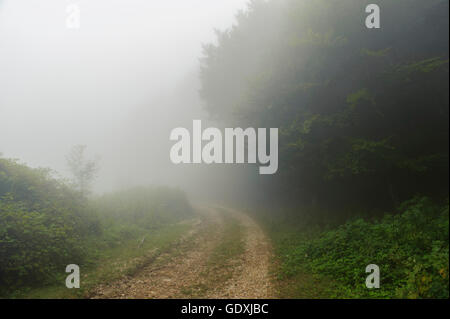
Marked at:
<point>118,84</point>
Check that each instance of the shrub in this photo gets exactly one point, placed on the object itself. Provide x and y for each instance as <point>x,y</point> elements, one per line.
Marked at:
<point>42,226</point>
<point>410,247</point>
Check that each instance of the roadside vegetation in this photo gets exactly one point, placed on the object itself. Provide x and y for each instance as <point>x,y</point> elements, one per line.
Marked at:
<point>45,224</point>
<point>321,259</point>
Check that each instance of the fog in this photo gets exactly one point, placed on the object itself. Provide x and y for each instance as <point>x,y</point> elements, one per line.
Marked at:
<point>118,84</point>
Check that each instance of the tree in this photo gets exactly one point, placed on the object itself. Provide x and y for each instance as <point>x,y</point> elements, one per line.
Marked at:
<point>83,170</point>
<point>362,114</point>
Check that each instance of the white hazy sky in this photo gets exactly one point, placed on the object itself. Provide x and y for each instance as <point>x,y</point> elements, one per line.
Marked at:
<point>60,87</point>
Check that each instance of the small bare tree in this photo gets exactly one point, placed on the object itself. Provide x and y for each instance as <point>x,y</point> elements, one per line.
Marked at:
<point>83,170</point>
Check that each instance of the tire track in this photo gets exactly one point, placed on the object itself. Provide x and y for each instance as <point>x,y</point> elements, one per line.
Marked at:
<point>184,271</point>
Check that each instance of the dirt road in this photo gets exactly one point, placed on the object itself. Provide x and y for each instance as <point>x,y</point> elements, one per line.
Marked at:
<point>225,255</point>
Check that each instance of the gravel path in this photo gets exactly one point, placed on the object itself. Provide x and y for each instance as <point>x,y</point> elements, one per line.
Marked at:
<point>251,278</point>
<point>181,272</point>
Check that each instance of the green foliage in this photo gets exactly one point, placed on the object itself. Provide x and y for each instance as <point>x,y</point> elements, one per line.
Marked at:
<point>410,247</point>
<point>42,223</point>
<point>46,225</point>
<point>359,112</point>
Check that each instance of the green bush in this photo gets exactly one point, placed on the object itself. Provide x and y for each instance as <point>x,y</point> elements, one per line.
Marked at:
<point>42,226</point>
<point>46,225</point>
<point>411,248</point>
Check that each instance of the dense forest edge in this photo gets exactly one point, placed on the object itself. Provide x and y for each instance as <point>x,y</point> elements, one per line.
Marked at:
<point>363,147</point>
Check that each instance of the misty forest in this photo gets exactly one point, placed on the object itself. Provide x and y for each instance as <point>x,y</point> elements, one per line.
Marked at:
<point>363,149</point>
